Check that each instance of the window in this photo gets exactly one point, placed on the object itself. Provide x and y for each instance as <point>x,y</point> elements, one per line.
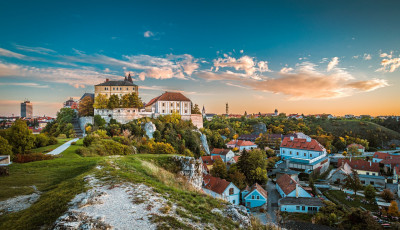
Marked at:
<point>172,104</point>
<point>367,173</point>
<point>363,182</point>
<point>234,201</point>
<point>113,88</point>
<point>105,88</point>
<point>297,153</point>
<point>303,208</point>
<point>185,111</point>
<point>163,111</point>
<point>120,88</point>
<point>290,152</point>
<point>252,197</point>
<point>231,190</point>
<point>283,151</point>
<point>305,154</point>
<point>310,155</point>
<point>163,104</point>
<point>373,174</point>
<point>258,197</point>
<point>372,182</point>
<point>297,207</point>
<point>171,110</point>
<point>127,88</point>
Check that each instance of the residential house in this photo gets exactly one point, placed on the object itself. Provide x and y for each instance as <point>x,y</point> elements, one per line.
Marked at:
<point>360,148</point>
<point>379,156</point>
<point>368,172</point>
<point>170,102</point>
<point>288,187</point>
<point>220,188</point>
<point>337,176</point>
<point>233,160</point>
<point>208,162</point>
<point>300,204</point>
<point>225,154</point>
<point>209,116</point>
<point>304,154</point>
<point>254,196</point>
<point>295,116</point>
<point>241,145</point>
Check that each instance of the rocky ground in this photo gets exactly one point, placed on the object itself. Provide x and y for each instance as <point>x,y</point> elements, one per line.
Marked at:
<point>19,203</point>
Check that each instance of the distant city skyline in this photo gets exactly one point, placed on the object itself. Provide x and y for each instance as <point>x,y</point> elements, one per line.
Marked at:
<point>306,57</point>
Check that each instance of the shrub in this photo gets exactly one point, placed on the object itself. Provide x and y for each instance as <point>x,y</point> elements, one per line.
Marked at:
<point>87,141</point>
<point>62,136</point>
<point>53,141</point>
<point>73,143</point>
<point>105,147</point>
<point>100,133</point>
<point>41,140</point>
<point>122,140</point>
<point>163,148</point>
<point>387,195</point>
<point>25,158</point>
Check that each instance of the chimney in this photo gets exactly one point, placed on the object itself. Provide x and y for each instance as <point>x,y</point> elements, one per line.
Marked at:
<point>291,138</point>
<point>107,79</point>
<point>297,190</point>
<point>308,139</point>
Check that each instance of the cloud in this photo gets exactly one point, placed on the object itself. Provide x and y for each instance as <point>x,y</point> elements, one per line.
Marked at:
<point>241,51</point>
<point>236,85</point>
<point>245,63</point>
<point>390,55</point>
<point>8,53</point>
<point>107,70</point>
<point>148,34</point>
<point>389,65</point>
<point>332,64</point>
<point>367,57</point>
<point>34,85</point>
<point>286,70</point>
<point>39,50</point>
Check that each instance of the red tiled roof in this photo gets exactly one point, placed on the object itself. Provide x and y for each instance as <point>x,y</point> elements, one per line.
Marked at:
<point>215,184</point>
<point>286,183</point>
<point>397,170</point>
<point>240,143</point>
<point>209,160</point>
<point>169,96</point>
<point>358,145</point>
<point>236,158</point>
<point>259,189</point>
<point>381,155</point>
<point>220,151</point>
<point>299,143</point>
<point>391,161</point>
<point>360,165</point>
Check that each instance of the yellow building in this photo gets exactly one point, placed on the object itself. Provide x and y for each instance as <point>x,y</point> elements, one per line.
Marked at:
<point>119,88</point>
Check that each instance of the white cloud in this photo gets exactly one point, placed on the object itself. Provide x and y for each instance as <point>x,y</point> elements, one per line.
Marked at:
<point>332,64</point>
<point>356,56</point>
<point>27,84</point>
<point>389,65</point>
<point>8,53</point>
<point>390,55</point>
<point>148,34</point>
<point>245,63</point>
<point>241,51</point>
<point>39,50</point>
<point>107,70</point>
<point>367,57</point>
<point>286,70</point>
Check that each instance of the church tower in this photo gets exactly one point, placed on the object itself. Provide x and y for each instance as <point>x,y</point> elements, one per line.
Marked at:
<point>203,111</point>
<point>227,109</point>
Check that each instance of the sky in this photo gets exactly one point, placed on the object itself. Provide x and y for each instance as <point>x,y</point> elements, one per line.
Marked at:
<point>306,57</point>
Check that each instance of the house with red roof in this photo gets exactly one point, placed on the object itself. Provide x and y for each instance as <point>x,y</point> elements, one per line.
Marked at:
<point>225,154</point>
<point>241,145</point>
<point>368,172</point>
<point>168,103</point>
<point>288,187</point>
<point>254,196</point>
<point>221,188</point>
<point>233,160</point>
<point>379,156</point>
<point>304,154</point>
<point>208,162</point>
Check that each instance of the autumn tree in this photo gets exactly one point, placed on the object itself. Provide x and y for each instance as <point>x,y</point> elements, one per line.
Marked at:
<point>353,150</point>
<point>196,109</point>
<point>85,108</point>
<point>262,141</point>
<point>5,148</point>
<point>387,195</point>
<point>352,182</point>
<point>393,209</point>
<point>131,101</point>
<point>219,169</point>
<point>20,137</point>
<point>101,102</point>
<point>113,102</point>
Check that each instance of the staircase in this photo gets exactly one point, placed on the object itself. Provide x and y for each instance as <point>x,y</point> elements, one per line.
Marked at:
<point>77,128</point>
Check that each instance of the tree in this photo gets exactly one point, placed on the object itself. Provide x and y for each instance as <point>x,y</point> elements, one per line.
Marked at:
<point>370,193</point>
<point>387,195</point>
<point>236,177</point>
<point>85,108</point>
<point>253,165</point>
<point>100,102</point>
<point>113,102</point>
<point>20,137</point>
<point>163,148</point>
<point>196,109</point>
<point>99,121</point>
<point>5,148</point>
<point>219,169</point>
<point>65,115</point>
<point>131,101</point>
<point>393,208</point>
<point>353,150</point>
<point>352,182</point>
<point>262,141</point>
<point>312,186</point>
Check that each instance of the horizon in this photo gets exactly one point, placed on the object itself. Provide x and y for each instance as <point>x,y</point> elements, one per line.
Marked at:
<point>305,57</point>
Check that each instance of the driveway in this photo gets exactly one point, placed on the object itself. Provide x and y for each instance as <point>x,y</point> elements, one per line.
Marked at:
<point>62,147</point>
<point>273,197</point>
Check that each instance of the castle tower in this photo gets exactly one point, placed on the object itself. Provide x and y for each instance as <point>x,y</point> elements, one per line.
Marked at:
<point>130,78</point>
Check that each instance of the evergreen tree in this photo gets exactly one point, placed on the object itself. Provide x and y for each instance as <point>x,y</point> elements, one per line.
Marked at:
<point>370,193</point>
<point>196,109</point>
<point>20,137</point>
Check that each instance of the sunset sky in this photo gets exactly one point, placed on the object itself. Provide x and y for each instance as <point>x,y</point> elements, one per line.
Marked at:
<point>306,57</point>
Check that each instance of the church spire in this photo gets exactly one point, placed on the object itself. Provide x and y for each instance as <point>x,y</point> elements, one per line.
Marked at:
<point>130,78</point>
<point>125,78</point>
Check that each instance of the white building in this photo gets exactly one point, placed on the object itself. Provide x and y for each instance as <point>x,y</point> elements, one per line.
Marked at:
<point>226,154</point>
<point>307,154</point>
<point>168,103</point>
<point>220,188</point>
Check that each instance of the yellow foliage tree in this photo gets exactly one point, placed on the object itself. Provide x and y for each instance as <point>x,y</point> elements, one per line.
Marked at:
<point>100,102</point>
<point>393,208</point>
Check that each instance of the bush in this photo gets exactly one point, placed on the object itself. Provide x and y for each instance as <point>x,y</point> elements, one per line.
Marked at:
<point>105,147</point>
<point>41,140</point>
<point>25,158</point>
<point>73,143</point>
<point>87,141</point>
<point>122,140</point>
<point>163,148</point>
<point>53,141</point>
<point>62,136</point>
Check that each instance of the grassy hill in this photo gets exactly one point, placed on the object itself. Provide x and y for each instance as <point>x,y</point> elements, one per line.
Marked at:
<point>60,180</point>
<point>374,133</point>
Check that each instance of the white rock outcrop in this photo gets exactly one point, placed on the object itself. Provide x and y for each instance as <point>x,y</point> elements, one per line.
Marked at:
<point>191,168</point>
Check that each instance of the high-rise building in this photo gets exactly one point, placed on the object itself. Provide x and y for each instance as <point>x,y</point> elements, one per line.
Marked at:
<point>27,109</point>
